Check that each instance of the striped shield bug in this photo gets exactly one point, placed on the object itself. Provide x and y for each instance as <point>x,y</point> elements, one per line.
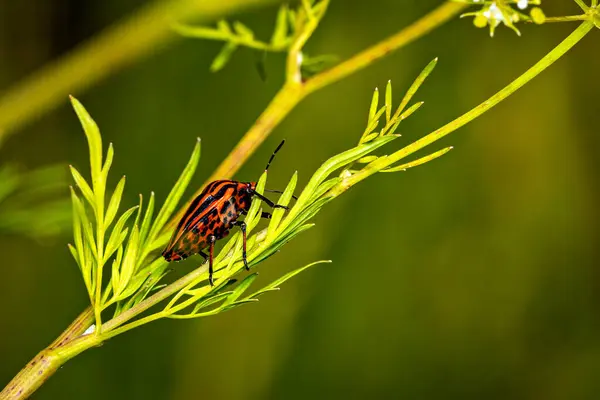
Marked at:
<point>211,215</point>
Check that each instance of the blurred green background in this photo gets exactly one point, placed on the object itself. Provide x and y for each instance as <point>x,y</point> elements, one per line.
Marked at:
<point>476,276</point>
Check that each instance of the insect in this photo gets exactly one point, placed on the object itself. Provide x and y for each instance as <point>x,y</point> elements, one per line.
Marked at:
<point>210,217</point>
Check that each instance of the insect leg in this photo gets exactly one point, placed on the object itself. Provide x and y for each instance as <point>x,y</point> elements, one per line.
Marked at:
<point>203,254</point>
<point>265,215</point>
<point>242,226</point>
<point>211,239</point>
<point>269,202</point>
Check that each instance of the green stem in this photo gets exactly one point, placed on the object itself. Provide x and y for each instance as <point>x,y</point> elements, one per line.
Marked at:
<point>213,34</point>
<point>566,18</point>
<point>582,5</point>
<point>531,73</point>
<point>407,35</point>
<point>43,366</point>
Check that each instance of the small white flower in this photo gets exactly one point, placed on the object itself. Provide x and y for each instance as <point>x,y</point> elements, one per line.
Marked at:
<point>494,12</point>
<point>522,4</point>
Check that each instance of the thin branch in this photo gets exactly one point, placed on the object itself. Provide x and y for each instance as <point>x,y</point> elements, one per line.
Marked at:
<point>459,122</point>
<point>407,35</point>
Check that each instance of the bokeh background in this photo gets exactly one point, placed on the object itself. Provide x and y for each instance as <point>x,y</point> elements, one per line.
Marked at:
<point>475,276</point>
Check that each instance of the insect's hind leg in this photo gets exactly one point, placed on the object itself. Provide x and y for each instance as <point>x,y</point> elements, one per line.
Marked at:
<point>242,226</point>
<point>211,240</point>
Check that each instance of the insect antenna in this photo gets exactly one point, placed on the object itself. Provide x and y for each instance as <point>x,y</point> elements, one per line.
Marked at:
<point>273,155</point>
<point>278,191</point>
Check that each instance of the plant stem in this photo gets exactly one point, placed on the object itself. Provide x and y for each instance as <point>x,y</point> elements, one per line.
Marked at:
<point>407,35</point>
<point>582,5</point>
<point>132,39</point>
<point>434,136</point>
<point>293,92</point>
<point>43,366</point>
<point>566,18</point>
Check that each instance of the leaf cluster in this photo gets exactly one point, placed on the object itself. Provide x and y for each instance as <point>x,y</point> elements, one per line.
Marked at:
<point>127,247</point>
<point>290,24</point>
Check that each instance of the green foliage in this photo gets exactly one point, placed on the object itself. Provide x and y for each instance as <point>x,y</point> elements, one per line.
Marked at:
<point>128,245</point>
<point>33,203</point>
<point>290,24</point>
<point>129,250</point>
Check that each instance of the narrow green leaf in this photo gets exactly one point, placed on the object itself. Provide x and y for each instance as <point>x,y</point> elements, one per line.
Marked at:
<point>255,206</point>
<point>86,225</point>
<point>260,63</point>
<point>367,159</point>
<point>369,137</point>
<point>108,162</point>
<point>146,277</point>
<point>129,260</point>
<point>416,85</point>
<point>115,239</point>
<point>388,101</point>
<point>274,248</point>
<point>275,284</point>
<point>223,26</point>
<point>176,193</point>
<point>243,30</point>
<point>324,188</point>
<point>77,229</point>
<point>202,32</point>
<point>210,301</point>
<point>411,110</point>
<point>73,252</point>
<point>113,205</point>
<point>140,286</point>
<point>374,123</point>
<point>94,140</point>
<point>238,303</point>
<point>240,289</point>
<point>281,27</point>
<point>291,15</point>
<point>115,276</point>
<point>419,161</point>
<point>223,57</point>
<point>83,186</point>
<point>278,213</point>
<point>374,105</point>
<point>146,222</point>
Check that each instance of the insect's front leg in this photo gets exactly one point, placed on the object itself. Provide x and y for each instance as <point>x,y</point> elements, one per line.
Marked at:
<point>242,226</point>
<point>211,240</point>
<point>269,202</point>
